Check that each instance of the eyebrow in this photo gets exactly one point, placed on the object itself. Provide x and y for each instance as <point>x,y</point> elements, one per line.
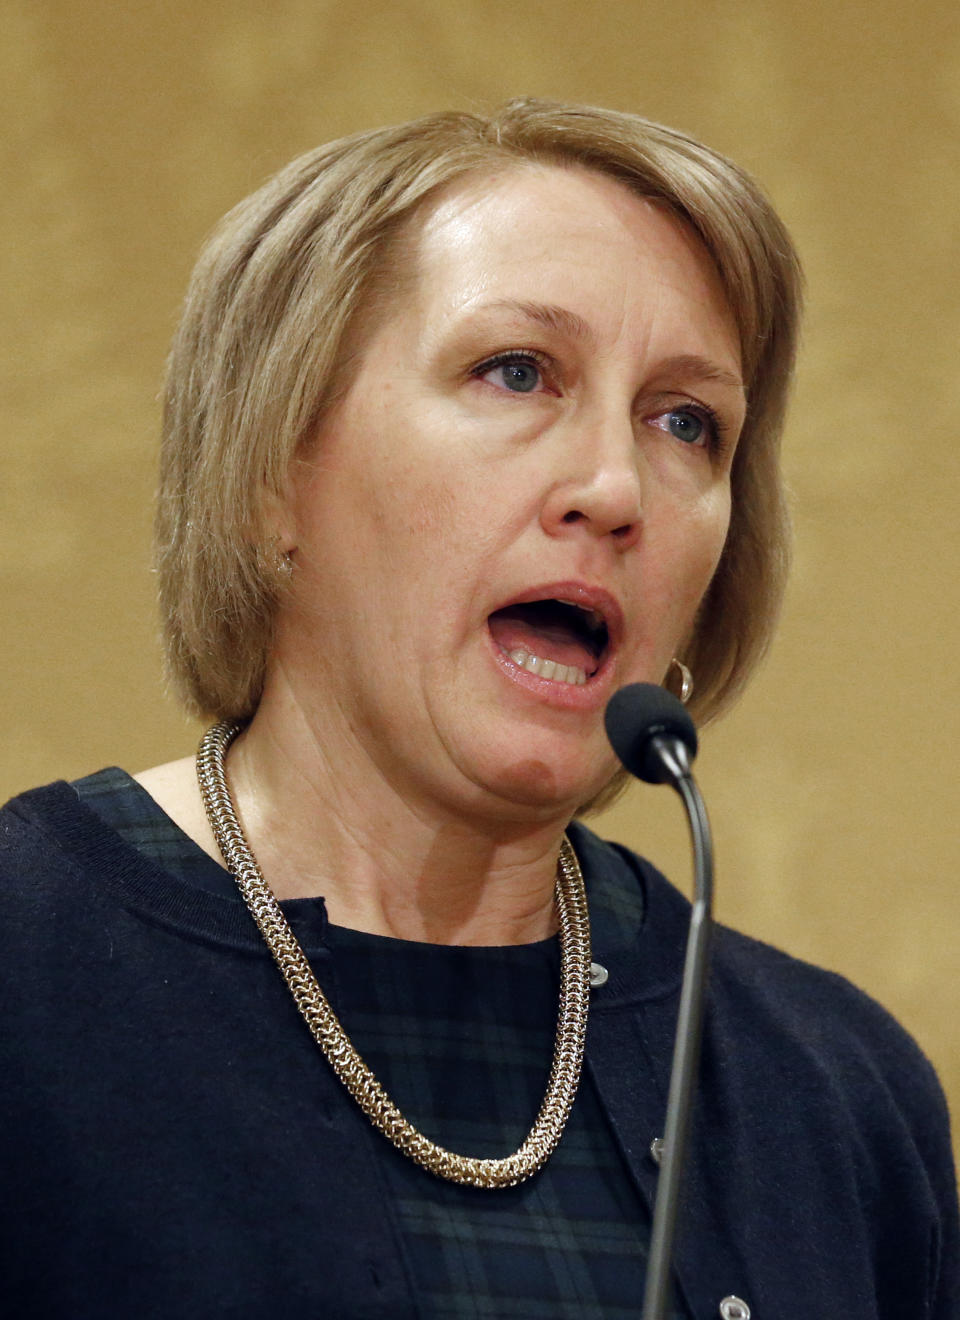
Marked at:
<point>694,367</point>
<point>689,365</point>
<point>549,315</point>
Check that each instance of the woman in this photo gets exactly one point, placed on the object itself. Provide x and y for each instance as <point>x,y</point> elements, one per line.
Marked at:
<point>469,422</point>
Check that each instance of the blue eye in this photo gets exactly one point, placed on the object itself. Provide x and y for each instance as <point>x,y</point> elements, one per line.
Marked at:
<point>517,372</point>
<point>685,425</point>
<point>520,376</point>
<point>694,424</point>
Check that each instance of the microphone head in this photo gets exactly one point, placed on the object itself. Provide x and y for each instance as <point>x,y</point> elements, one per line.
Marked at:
<point>636,715</point>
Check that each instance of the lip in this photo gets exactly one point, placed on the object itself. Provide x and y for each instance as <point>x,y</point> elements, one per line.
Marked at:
<point>589,597</point>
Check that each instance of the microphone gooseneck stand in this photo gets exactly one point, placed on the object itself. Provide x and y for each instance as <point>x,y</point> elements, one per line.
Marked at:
<point>656,740</point>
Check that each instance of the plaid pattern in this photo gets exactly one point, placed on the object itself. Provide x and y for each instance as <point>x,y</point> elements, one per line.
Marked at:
<point>462,1040</point>
<point>131,811</point>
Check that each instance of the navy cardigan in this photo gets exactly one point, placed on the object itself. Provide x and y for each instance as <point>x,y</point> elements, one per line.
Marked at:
<point>820,1184</point>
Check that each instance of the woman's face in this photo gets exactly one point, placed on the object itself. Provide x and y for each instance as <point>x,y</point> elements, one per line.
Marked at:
<point>530,472</point>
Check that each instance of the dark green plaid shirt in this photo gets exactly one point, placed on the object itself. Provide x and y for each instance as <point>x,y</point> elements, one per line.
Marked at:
<point>462,1040</point>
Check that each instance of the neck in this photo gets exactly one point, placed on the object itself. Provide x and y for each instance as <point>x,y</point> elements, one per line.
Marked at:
<point>323,820</point>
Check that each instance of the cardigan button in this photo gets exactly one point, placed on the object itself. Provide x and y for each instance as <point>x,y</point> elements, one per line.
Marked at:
<point>732,1308</point>
<point>598,975</point>
<point>656,1149</point>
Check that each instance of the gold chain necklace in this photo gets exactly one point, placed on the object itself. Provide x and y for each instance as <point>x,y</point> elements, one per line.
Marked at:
<point>336,1044</point>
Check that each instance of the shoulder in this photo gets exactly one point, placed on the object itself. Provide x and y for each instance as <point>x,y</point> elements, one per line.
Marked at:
<point>812,1094</point>
<point>51,894</point>
<point>57,845</point>
<point>47,837</point>
<point>756,974</point>
<point>31,823</point>
<point>776,1018</point>
<point>810,1029</point>
<point>820,1022</point>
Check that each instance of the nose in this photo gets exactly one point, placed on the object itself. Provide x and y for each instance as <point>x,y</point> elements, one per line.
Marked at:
<point>597,485</point>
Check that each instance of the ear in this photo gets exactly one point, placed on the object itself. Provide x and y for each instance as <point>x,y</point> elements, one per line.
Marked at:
<point>278,522</point>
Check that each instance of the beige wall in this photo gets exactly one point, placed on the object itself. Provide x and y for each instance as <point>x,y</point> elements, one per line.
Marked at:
<point>130,129</point>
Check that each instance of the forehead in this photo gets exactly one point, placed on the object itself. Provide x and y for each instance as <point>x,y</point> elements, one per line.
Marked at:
<point>562,235</point>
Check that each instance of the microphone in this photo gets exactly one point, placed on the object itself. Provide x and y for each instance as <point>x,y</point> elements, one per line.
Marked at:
<point>651,732</point>
<point>656,740</point>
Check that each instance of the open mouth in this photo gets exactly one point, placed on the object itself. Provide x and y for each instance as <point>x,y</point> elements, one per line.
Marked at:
<point>555,639</point>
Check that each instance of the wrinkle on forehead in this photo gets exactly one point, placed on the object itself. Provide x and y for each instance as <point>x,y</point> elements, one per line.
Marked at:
<point>478,216</point>
<point>435,264</point>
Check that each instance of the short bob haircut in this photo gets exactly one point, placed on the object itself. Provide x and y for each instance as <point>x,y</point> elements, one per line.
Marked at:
<point>262,352</point>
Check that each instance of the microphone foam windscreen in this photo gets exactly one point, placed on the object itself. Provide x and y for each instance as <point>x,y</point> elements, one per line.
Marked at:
<point>640,712</point>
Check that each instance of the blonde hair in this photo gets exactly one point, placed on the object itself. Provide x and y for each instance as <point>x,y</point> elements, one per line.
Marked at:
<point>261,352</point>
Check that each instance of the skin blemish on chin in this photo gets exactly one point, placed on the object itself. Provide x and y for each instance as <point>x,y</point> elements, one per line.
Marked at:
<point>437,495</point>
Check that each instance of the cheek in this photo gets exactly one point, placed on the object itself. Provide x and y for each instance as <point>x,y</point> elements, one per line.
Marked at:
<point>719,524</point>
<point>698,541</point>
<point>714,539</point>
<point>427,510</point>
<point>447,510</point>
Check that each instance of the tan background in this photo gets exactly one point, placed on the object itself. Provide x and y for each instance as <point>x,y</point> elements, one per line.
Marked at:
<point>131,128</point>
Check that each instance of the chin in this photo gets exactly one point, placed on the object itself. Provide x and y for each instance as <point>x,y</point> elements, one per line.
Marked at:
<point>546,787</point>
<point>539,769</point>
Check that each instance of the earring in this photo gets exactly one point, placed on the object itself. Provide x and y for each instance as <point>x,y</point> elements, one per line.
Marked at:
<point>686,679</point>
<point>281,561</point>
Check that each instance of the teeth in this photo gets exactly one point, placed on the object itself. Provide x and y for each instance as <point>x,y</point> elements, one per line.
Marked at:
<point>549,668</point>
